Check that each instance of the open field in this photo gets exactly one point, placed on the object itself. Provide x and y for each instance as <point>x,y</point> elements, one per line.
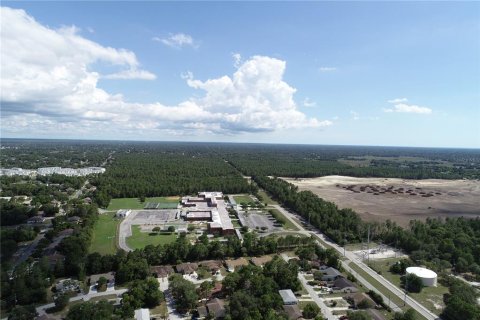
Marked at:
<point>242,199</point>
<point>140,239</point>
<point>134,203</point>
<point>400,200</point>
<point>104,239</point>
<point>266,198</point>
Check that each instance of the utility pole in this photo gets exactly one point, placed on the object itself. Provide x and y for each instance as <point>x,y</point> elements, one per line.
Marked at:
<point>368,246</point>
<point>406,288</point>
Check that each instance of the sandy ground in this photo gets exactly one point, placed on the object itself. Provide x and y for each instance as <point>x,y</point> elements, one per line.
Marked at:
<point>379,199</point>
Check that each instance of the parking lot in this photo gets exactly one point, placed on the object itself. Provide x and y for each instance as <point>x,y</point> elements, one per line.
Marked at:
<point>258,220</point>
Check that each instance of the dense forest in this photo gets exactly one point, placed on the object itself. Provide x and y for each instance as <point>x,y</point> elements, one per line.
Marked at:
<point>161,173</point>
<point>389,162</point>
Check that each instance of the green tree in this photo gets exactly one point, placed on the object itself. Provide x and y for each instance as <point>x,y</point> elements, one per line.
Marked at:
<point>183,292</point>
<point>310,310</point>
<point>61,302</point>
<point>91,311</point>
<point>22,313</point>
<point>413,283</point>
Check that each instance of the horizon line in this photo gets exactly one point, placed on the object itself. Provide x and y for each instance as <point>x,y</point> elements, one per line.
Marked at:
<point>235,142</point>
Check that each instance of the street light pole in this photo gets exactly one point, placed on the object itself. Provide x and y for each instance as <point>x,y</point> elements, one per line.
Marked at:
<point>406,288</point>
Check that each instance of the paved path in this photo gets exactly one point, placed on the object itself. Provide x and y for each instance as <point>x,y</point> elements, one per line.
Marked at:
<point>125,231</point>
<point>352,258</point>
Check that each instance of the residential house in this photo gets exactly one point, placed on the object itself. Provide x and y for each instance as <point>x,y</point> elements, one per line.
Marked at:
<point>261,261</point>
<point>343,285</point>
<point>215,308</point>
<point>186,268</point>
<point>161,271</point>
<point>110,276</point>
<point>355,299</point>
<point>232,265</point>
<point>330,274</point>
<point>211,265</point>
<point>292,311</point>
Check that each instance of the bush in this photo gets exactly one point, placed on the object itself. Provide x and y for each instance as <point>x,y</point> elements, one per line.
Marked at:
<point>365,304</point>
<point>61,302</point>
<point>412,283</point>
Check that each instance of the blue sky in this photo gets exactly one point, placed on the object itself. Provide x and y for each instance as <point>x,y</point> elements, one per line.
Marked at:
<point>402,73</point>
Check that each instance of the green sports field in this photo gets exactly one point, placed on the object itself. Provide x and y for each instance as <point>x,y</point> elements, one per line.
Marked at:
<point>140,239</point>
<point>134,203</point>
<point>104,239</point>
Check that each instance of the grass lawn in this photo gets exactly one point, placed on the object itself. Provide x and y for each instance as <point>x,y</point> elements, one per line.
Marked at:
<point>429,297</point>
<point>266,198</point>
<point>242,199</point>
<point>134,203</point>
<point>104,239</point>
<point>288,224</point>
<point>140,239</point>
<point>235,223</point>
<point>160,310</point>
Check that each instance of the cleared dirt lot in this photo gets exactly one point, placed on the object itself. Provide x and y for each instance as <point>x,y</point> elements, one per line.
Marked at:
<point>400,200</point>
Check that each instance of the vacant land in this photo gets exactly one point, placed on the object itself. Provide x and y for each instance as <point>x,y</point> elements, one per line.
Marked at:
<point>104,237</point>
<point>134,203</point>
<point>400,200</point>
<point>141,239</point>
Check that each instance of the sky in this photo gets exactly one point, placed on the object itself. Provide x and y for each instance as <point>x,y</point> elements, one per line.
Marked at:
<point>347,73</point>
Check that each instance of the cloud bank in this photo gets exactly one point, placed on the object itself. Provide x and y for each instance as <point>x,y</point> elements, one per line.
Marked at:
<point>48,86</point>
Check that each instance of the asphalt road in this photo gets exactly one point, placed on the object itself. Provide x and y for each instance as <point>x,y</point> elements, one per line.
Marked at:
<point>41,310</point>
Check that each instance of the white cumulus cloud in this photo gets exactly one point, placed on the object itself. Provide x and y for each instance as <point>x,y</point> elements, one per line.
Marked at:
<point>400,106</point>
<point>48,85</point>
<point>177,40</point>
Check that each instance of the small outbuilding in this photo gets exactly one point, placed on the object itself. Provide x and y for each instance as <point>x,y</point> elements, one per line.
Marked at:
<point>288,297</point>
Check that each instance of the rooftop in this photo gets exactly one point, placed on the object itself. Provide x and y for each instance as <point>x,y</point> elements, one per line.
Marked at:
<point>287,296</point>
